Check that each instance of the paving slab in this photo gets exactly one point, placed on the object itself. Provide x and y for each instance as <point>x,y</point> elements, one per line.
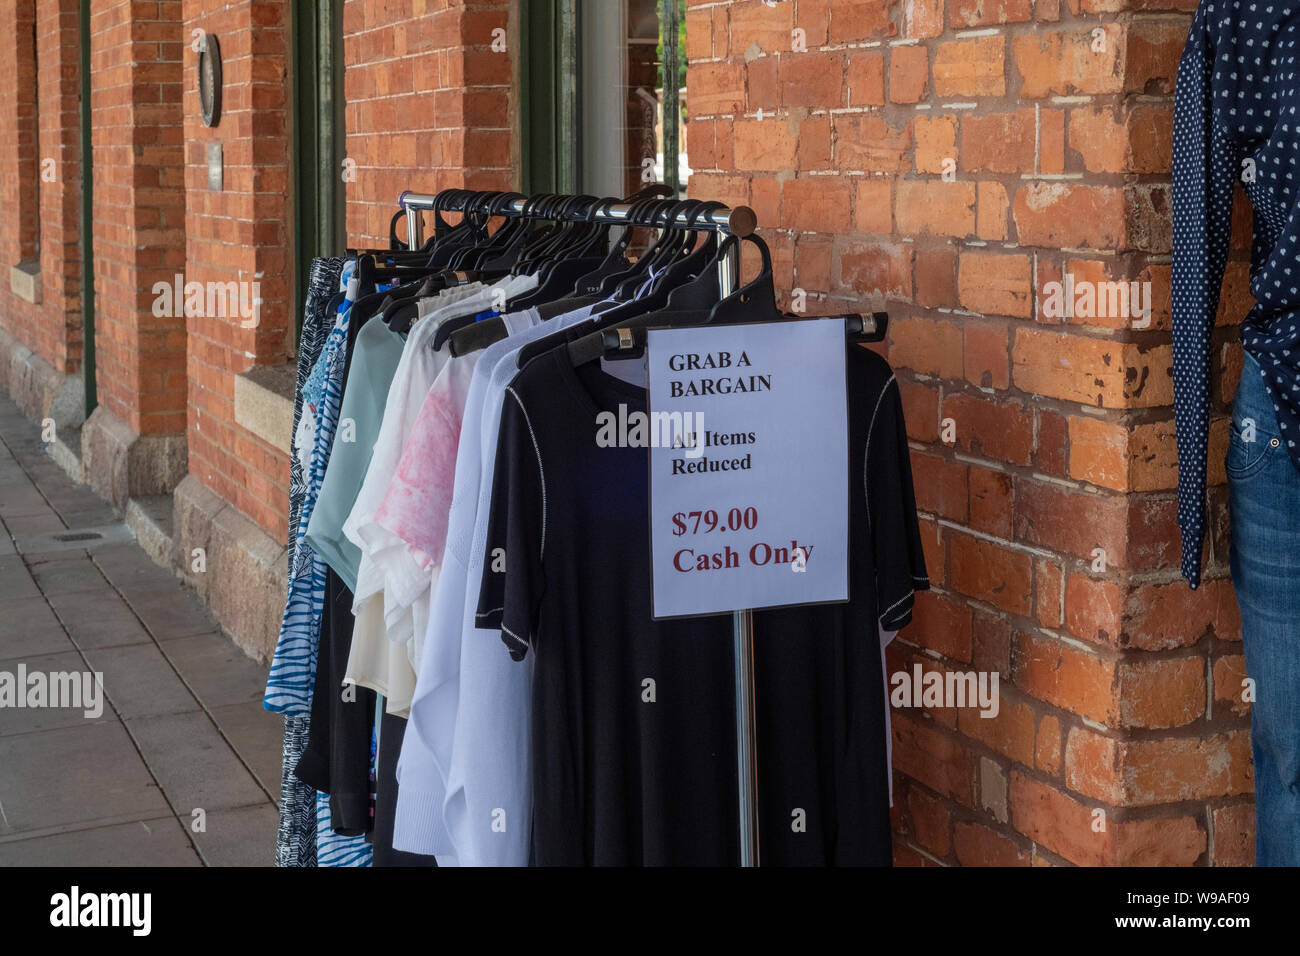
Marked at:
<point>240,837</point>
<point>194,764</point>
<point>127,567</point>
<point>73,499</point>
<point>140,682</point>
<point>98,619</point>
<point>55,546</point>
<point>171,613</point>
<point>157,842</point>
<point>28,627</point>
<point>47,522</point>
<point>216,670</point>
<point>75,774</point>
<point>22,498</point>
<point>65,575</point>
<point>15,581</point>
<point>258,738</point>
<point>86,517</point>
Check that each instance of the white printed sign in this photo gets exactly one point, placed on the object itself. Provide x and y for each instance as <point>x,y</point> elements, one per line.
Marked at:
<point>749,483</point>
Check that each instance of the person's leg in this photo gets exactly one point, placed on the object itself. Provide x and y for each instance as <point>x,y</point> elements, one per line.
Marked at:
<point>1265,552</point>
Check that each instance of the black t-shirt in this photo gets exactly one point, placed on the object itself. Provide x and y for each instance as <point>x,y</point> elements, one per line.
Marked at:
<point>634,751</point>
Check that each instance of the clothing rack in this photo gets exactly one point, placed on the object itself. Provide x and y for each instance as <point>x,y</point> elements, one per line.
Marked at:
<point>739,221</point>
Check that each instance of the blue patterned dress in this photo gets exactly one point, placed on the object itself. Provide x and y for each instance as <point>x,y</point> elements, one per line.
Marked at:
<point>293,666</point>
<point>296,837</point>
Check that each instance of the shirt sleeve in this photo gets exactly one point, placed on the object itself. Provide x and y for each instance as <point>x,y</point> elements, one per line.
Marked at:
<point>512,583</point>
<point>891,509</point>
<point>1205,167</point>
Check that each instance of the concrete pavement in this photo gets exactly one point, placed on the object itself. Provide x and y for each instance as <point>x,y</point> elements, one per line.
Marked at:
<point>182,767</point>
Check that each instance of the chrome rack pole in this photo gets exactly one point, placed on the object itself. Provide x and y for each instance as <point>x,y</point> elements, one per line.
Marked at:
<point>738,220</point>
<point>414,229</point>
<point>742,636</point>
<point>414,222</point>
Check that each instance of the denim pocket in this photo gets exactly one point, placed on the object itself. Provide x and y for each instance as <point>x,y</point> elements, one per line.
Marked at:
<point>1245,458</point>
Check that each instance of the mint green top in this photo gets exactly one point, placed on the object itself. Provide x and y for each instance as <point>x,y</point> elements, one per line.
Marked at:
<point>376,353</point>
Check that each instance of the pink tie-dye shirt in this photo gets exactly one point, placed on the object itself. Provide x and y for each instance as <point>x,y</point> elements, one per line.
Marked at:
<point>418,500</point>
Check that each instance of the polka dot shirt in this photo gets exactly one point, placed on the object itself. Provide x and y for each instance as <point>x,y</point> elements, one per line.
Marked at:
<point>1236,118</point>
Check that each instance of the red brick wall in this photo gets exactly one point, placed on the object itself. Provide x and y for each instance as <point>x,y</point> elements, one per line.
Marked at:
<point>30,134</point>
<point>139,217</point>
<point>1119,686</point>
<point>430,104</point>
<point>240,234</point>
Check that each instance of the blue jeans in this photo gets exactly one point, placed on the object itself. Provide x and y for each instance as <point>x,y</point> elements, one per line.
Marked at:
<point>1264,491</point>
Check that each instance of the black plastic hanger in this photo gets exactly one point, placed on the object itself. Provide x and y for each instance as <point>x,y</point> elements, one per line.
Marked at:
<point>394,243</point>
<point>466,337</point>
<point>661,251</point>
<point>472,236</point>
<point>400,307</point>
<point>484,257</point>
<point>616,258</point>
<point>568,261</point>
<point>623,336</point>
<point>536,209</point>
<point>647,216</point>
<point>690,301</point>
<point>451,239</point>
<point>753,302</point>
<point>559,307</point>
<point>541,253</point>
<point>445,200</point>
<point>684,264</point>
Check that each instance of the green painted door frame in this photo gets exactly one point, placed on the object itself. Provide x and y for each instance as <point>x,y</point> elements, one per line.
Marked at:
<point>318,139</point>
<point>548,96</point>
<point>671,32</point>
<point>87,219</point>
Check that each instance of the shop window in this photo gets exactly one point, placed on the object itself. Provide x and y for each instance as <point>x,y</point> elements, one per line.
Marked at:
<point>603,95</point>
<point>25,276</point>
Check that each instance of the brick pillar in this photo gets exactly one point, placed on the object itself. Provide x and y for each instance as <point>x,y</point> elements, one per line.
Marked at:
<point>959,159</point>
<point>40,306</point>
<point>134,444</point>
<point>239,237</point>
<point>431,102</point>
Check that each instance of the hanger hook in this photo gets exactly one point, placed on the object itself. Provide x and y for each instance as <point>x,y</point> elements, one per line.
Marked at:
<point>703,209</point>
